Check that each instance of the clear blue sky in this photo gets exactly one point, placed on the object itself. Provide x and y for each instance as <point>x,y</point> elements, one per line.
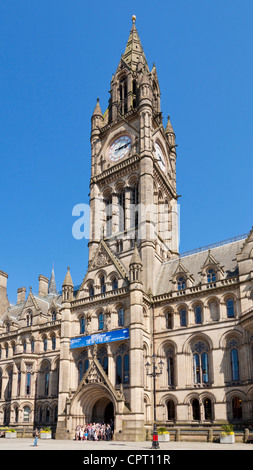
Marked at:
<point>57,57</point>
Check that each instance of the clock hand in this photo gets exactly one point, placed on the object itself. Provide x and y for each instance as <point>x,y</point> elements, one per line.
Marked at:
<point>122,147</point>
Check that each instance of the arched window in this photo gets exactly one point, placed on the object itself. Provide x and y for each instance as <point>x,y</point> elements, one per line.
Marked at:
<point>53,342</point>
<point>83,365</point>
<point>32,345</point>
<point>169,320</point>
<point>122,211</point>
<point>103,358</point>
<point>82,325</point>
<point>114,283</point>
<point>170,367</point>
<point>198,314</point>
<point>102,285</point>
<point>29,319</point>
<point>46,383</point>
<point>122,365</point>
<point>108,211</point>
<point>134,206</point>
<point>45,343</point>
<point>121,315</point>
<point>200,363</point>
<point>19,382</point>
<point>208,409</point>
<point>230,308</point>
<point>24,346</point>
<point>53,315</point>
<point>28,383</point>
<point>27,413</point>
<point>181,284</point>
<point>171,410</point>
<point>237,408</point>
<point>1,382</point>
<point>195,410</point>
<point>91,290</point>
<point>183,318</point>
<point>101,321</point>
<point>234,364</point>
<point>211,275</point>
<point>47,417</point>
<point>9,384</point>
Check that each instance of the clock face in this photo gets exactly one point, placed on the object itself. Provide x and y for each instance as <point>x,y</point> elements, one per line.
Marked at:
<point>159,156</point>
<point>119,148</point>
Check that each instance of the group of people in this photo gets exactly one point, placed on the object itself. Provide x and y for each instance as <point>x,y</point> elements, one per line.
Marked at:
<point>94,432</point>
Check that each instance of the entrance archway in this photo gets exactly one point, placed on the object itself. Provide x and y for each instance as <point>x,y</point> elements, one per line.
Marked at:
<point>103,411</point>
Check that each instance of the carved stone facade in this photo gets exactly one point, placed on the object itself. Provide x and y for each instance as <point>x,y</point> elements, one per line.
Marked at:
<point>193,311</point>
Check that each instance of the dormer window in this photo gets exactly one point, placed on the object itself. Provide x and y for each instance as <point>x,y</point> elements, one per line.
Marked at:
<point>211,275</point>
<point>181,283</point>
<point>29,319</point>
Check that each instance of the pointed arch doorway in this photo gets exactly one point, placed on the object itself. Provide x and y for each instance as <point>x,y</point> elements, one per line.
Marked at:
<point>103,411</point>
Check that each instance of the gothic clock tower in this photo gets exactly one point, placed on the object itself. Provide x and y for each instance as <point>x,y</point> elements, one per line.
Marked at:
<point>133,198</point>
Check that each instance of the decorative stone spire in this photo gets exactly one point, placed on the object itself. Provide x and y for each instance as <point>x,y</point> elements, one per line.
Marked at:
<point>52,284</point>
<point>68,280</point>
<point>67,288</point>
<point>134,49</point>
<point>135,266</point>
<point>169,129</point>
<point>97,111</point>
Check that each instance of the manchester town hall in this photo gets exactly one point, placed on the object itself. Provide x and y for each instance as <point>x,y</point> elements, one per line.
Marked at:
<point>75,355</point>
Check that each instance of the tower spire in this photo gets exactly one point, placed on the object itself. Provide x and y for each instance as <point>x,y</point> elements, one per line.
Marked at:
<point>52,284</point>
<point>134,50</point>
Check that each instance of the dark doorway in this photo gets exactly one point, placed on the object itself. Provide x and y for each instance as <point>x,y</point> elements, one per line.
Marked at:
<point>108,413</point>
<point>102,411</point>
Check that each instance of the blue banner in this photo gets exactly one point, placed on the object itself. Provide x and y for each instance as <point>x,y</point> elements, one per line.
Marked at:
<point>99,338</point>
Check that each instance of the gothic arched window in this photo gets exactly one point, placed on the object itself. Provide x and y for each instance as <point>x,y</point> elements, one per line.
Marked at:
<point>171,410</point>
<point>102,285</point>
<point>53,315</point>
<point>82,325</point>
<point>230,308</point>
<point>195,409</point>
<point>91,290</point>
<point>103,359</point>
<point>183,317</point>
<point>200,363</point>
<point>83,365</point>
<point>170,367</point>
<point>122,365</point>
<point>53,342</point>
<point>211,275</point>
<point>234,358</point>
<point>198,314</point>
<point>101,321</point>
<point>121,315</point>
<point>108,211</point>
<point>208,412</point>
<point>169,321</point>
<point>237,408</point>
<point>121,201</point>
<point>181,284</point>
<point>114,283</point>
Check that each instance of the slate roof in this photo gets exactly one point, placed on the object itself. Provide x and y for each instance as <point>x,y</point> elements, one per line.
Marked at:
<point>225,255</point>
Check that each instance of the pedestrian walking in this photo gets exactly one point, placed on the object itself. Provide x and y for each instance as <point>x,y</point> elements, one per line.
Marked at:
<point>36,435</point>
